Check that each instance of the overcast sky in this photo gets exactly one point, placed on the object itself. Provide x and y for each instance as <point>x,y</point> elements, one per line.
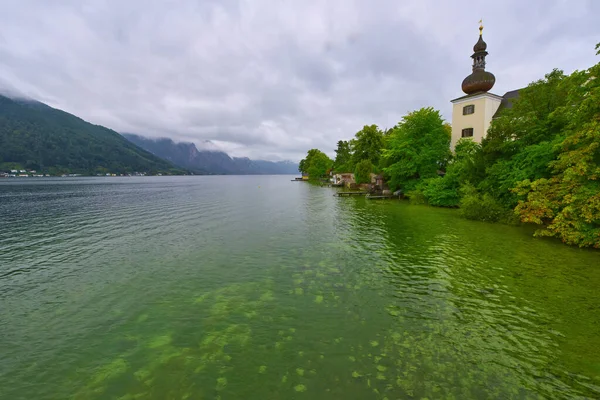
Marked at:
<point>272,79</point>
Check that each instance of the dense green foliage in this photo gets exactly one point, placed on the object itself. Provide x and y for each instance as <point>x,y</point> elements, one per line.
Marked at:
<point>362,152</point>
<point>362,171</point>
<point>38,137</point>
<point>367,145</point>
<point>439,192</point>
<point>316,164</point>
<point>482,207</point>
<point>416,149</point>
<point>343,157</point>
<point>540,160</point>
<point>523,140</point>
<point>462,169</point>
<point>567,203</point>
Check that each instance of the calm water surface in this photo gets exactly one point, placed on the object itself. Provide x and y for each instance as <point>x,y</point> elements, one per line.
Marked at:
<point>262,288</point>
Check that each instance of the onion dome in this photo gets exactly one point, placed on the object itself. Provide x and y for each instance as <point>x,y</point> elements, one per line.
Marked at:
<point>480,45</point>
<point>480,80</point>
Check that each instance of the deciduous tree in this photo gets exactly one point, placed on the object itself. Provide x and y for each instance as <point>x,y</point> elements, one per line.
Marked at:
<point>567,204</point>
<point>343,157</point>
<point>367,145</point>
<point>362,172</point>
<point>416,148</point>
<point>316,164</point>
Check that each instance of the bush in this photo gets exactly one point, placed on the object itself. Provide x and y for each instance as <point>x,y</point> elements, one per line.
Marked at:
<point>441,192</point>
<point>416,197</point>
<point>481,208</point>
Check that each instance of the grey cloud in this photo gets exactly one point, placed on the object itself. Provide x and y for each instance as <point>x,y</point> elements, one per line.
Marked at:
<point>271,80</point>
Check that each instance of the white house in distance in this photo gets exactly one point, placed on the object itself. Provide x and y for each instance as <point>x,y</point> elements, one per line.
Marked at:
<point>472,114</point>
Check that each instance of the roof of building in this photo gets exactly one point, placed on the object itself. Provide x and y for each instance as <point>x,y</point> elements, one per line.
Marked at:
<point>507,100</point>
<point>480,45</point>
<point>475,95</point>
<point>480,80</point>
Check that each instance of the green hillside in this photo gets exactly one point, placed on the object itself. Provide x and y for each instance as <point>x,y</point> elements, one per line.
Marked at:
<point>36,136</point>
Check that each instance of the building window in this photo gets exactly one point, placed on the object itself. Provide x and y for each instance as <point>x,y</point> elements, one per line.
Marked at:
<point>470,109</point>
<point>467,132</point>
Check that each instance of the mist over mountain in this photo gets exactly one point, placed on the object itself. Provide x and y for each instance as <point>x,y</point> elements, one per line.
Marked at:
<point>38,137</point>
<point>208,160</point>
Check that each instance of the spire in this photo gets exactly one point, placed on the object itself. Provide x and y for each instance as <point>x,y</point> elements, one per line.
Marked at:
<point>479,50</point>
<point>480,80</point>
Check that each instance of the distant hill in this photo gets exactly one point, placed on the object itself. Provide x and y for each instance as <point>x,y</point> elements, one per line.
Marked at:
<point>38,137</point>
<point>187,155</point>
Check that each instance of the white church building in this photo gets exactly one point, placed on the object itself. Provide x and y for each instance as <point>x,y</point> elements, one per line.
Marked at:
<point>472,114</point>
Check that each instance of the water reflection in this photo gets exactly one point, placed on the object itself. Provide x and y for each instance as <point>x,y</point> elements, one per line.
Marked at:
<point>257,287</point>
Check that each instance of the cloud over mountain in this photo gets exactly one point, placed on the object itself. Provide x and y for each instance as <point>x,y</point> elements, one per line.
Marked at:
<point>273,79</point>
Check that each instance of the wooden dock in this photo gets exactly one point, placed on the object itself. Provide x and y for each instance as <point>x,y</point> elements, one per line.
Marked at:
<point>342,194</point>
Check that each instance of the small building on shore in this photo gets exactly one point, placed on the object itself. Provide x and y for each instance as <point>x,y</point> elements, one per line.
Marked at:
<point>377,180</point>
<point>344,178</point>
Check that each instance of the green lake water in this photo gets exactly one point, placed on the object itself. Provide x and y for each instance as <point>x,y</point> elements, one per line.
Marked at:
<point>262,288</point>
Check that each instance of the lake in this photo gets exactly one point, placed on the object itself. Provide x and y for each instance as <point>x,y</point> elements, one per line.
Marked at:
<point>257,287</point>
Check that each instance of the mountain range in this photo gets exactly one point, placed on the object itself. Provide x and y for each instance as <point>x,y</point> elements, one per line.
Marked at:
<point>186,155</point>
<point>38,137</point>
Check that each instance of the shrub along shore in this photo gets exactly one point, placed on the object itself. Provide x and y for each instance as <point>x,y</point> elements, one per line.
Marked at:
<point>540,161</point>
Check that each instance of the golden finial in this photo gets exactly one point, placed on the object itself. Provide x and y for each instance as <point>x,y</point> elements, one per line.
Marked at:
<point>480,27</point>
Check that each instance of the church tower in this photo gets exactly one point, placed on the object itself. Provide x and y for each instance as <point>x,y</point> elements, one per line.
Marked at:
<point>472,114</point>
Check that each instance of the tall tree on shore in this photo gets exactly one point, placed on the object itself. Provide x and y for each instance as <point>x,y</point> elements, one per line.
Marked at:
<point>362,172</point>
<point>302,166</point>
<point>316,164</point>
<point>416,148</point>
<point>367,145</point>
<point>343,157</point>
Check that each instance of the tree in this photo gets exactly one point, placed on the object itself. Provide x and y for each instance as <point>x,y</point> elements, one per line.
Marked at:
<point>303,166</point>
<point>417,148</point>
<point>445,191</point>
<point>319,166</point>
<point>316,164</point>
<point>343,157</point>
<point>567,204</point>
<point>367,145</point>
<point>362,172</point>
<point>524,139</point>
<point>463,166</point>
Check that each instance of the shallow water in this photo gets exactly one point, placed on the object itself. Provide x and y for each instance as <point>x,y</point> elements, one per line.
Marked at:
<point>262,288</point>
